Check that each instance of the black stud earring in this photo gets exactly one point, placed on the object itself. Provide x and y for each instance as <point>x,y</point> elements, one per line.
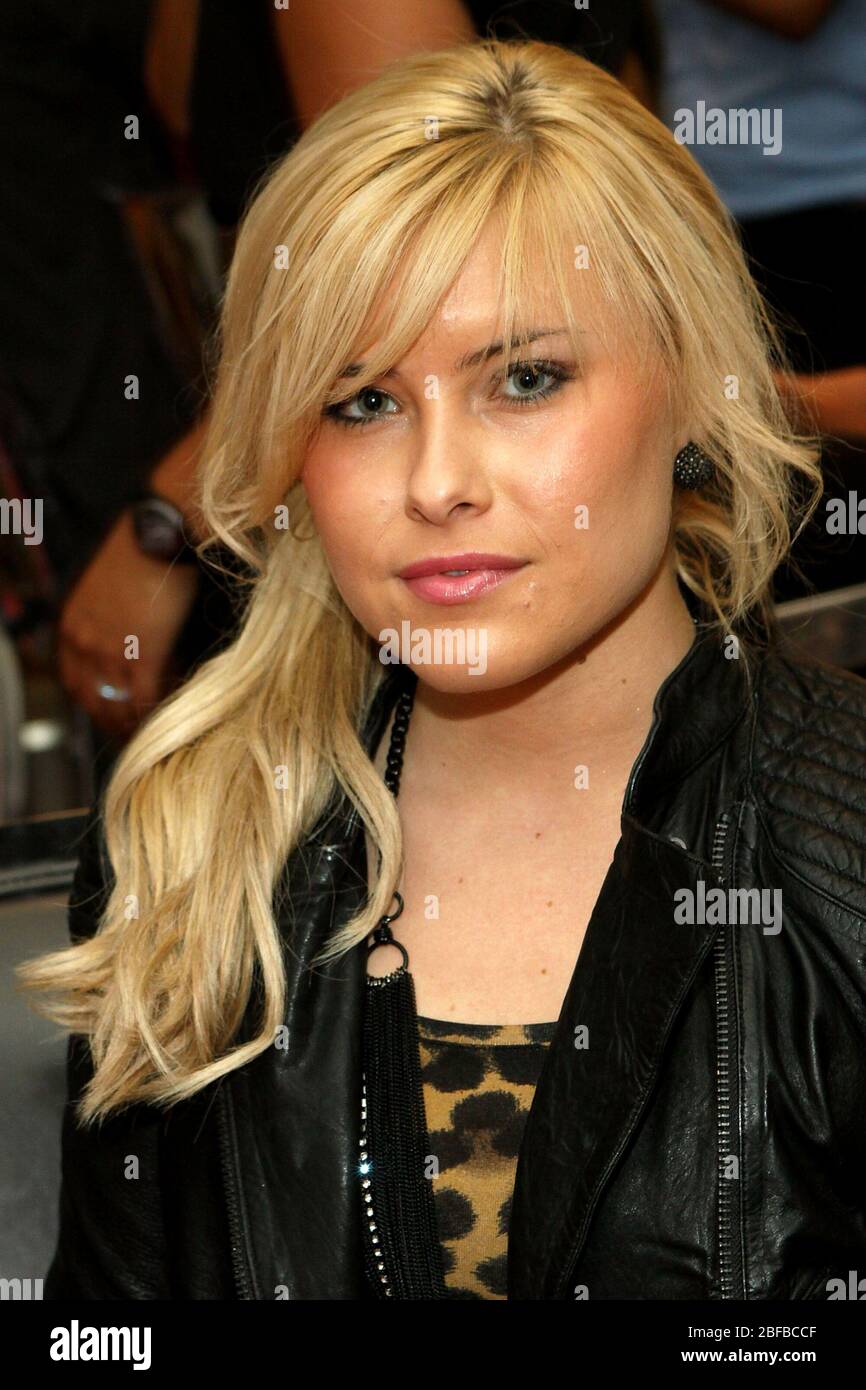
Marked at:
<point>692,467</point>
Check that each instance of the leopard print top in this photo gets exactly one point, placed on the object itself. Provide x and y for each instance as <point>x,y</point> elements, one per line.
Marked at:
<point>478,1082</point>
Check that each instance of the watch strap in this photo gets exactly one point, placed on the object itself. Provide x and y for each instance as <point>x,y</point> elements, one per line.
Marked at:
<point>159,529</point>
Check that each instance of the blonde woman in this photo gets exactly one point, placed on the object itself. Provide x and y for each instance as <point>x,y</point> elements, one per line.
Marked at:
<point>487,920</point>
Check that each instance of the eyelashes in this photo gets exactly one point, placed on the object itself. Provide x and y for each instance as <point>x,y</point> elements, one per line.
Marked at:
<point>559,372</point>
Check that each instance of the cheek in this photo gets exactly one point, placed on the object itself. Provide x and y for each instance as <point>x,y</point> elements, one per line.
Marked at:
<point>340,505</point>
<point>599,500</point>
<point>325,488</point>
<point>350,518</point>
<point>605,475</point>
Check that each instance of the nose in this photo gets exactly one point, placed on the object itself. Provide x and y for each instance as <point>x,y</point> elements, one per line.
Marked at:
<point>445,465</point>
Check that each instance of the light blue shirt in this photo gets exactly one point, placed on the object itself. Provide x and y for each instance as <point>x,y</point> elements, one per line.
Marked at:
<point>808,97</point>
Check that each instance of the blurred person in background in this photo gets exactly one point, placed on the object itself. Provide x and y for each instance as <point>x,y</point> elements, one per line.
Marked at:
<point>100,360</point>
<point>77,138</point>
<point>83,158</point>
<point>801,210</point>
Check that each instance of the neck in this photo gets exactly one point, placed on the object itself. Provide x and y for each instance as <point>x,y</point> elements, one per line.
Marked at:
<point>592,708</point>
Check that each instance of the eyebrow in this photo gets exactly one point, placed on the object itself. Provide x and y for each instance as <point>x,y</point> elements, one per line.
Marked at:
<point>471,359</point>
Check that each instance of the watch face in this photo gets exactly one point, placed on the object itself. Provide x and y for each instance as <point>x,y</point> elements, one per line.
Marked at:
<point>159,528</point>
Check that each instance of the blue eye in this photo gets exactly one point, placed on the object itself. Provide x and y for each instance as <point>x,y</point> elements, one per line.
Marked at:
<point>333,412</point>
<point>558,373</point>
<point>518,371</point>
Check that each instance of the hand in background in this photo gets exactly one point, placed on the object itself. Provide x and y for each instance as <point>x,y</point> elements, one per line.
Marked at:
<point>123,593</point>
<point>833,403</point>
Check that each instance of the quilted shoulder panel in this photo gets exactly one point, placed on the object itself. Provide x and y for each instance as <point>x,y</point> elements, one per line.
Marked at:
<point>809,772</point>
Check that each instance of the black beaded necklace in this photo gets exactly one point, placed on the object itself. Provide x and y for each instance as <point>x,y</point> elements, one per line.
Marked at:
<point>402,1254</point>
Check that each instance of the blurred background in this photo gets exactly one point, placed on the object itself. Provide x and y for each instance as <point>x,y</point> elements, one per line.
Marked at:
<point>131,137</point>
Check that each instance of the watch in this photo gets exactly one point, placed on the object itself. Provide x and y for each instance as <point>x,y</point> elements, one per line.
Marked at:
<point>159,529</point>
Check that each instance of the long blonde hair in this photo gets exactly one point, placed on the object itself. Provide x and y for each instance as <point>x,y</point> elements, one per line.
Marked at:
<point>227,776</point>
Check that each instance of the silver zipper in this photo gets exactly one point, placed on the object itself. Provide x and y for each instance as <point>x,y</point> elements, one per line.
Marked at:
<point>373,1245</point>
<point>729,1190</point>
<point>239,1264</point>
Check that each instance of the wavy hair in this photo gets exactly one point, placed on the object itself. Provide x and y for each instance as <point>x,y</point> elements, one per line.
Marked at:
<point>229,774</point>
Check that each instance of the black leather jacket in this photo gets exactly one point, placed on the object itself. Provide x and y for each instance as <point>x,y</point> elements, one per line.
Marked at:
<point>710,1142</point>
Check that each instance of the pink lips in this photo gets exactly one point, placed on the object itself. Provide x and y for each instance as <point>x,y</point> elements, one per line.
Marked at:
<point>484,572</point>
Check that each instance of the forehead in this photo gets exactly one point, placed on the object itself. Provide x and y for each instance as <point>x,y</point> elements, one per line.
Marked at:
<point>471,311</point>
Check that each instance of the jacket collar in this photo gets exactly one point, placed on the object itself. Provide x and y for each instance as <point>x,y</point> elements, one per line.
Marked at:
<point>695,710</point>
<point>295,1111</point>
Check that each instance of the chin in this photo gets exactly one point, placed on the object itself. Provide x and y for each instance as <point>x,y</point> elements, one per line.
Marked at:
<point>459,680</point>
<point>487,671</point>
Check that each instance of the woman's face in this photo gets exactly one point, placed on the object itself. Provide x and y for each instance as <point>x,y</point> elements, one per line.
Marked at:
<point>565,468</point>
